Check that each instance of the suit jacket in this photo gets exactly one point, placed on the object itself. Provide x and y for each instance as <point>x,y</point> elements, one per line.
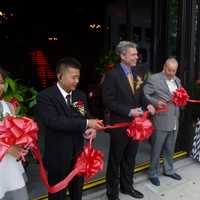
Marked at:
<point>156,88</point>
<point>118,97</point>
<point>63,125</point>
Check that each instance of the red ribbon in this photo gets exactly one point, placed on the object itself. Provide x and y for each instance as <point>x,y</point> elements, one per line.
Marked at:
<point>23,132</point>
<point>180,97</point>
<point>88,164</point>
<point>17,131</point>
<point>140,128</point>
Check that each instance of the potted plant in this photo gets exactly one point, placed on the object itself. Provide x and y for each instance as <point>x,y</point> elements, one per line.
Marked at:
<point>21,96</point>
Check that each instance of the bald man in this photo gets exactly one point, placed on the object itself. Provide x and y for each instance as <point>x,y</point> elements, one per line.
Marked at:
<point>158,91</point>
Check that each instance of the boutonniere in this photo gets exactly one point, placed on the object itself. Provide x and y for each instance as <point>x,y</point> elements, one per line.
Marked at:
<point>138,82</point>
<point>79,107</point>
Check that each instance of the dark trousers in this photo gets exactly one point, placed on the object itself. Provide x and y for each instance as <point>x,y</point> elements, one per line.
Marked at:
<point>74,188</point>
<point>60,166</point>
<point>121,163</point>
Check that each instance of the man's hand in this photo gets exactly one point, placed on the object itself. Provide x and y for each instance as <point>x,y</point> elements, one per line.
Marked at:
<point>151,109</point>
<point>136,112</point>
<point>161,103</point>
<point>90,133</point>
<point>95,123</point>
<point>17,151</point>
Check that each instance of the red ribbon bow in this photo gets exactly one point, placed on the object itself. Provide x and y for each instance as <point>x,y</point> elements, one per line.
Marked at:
<point>180,97</point>
<point>90,161</point>
<point>23,132</point>
<point>17,131</point>
<point>141,128</point>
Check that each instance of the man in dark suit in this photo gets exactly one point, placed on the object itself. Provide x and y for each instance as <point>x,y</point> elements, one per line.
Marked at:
<point>62,110</point>
<point>122,96</point>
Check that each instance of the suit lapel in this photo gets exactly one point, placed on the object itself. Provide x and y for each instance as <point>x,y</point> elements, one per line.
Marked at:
<point>163,81</point>
<point>178,84</point>
<point>61,100</point>
<point>124,80</point>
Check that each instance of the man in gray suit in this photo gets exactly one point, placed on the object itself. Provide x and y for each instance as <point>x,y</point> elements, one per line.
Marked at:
<point>158,91</point>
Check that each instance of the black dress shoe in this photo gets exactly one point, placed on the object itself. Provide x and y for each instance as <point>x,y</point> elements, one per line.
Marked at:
<point>111,198</point>
<point>134,193</point>
<point>155,181</point>
<point>174,176</point>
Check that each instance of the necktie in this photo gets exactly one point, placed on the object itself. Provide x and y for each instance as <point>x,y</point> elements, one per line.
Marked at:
<point>130,80</point>
<point>68,97</point>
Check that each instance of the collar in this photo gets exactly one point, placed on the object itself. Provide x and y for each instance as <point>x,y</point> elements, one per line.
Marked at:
<point>125,68</point>
<point>63,92</point>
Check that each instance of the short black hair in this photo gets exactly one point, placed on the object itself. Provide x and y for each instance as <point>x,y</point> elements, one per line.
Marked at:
<point>67,62</point>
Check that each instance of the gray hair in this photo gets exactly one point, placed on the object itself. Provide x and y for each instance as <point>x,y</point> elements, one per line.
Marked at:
<point>171,60</point>
<point>123,47</point>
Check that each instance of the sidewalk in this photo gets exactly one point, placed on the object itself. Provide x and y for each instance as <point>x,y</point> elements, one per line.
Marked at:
<point>186,189</point>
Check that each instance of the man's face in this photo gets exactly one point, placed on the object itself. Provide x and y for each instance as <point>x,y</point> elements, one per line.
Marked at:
<point>170,70</point>
<point>130,57</point>
<point>69,79</point>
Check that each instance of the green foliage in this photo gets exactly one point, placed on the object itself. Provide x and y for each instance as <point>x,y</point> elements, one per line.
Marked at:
<point>107,62</point>
<point>20,93</point>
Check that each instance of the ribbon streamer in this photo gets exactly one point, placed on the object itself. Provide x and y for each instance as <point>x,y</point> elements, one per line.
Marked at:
<point>23,131</point>
<point>139,129</point>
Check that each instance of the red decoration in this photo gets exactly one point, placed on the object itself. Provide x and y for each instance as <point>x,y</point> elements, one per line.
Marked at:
<point>14,102</point>
<point>90,161</point>
<point>141,128</point>
<point>23,132</point>
<point>17,131</point>
<point>180,97</point>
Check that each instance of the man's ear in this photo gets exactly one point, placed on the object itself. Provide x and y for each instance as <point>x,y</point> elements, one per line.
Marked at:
<point>59,76</point>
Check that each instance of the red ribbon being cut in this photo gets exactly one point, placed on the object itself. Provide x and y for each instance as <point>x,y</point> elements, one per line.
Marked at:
<point>23,131</point>
<point>140,128</point>
<point>180,97</point>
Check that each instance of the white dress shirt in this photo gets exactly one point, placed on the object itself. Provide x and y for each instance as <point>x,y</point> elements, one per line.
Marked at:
<point>64,93</point>
<point>172,87</point>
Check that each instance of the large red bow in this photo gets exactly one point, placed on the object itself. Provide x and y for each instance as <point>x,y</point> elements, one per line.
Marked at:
<point>88,164</point>
<point>17,131</point>
<point>141,128</point>
<point>180,97</point>
<point>22,131</point>
<point>90,161</point>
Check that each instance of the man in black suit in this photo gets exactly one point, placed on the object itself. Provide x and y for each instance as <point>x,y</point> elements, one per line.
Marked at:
<point>122,96</point>
<point>66,124</point>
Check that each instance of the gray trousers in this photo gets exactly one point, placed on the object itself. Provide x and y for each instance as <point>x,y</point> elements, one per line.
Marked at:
<point>162,141</point>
